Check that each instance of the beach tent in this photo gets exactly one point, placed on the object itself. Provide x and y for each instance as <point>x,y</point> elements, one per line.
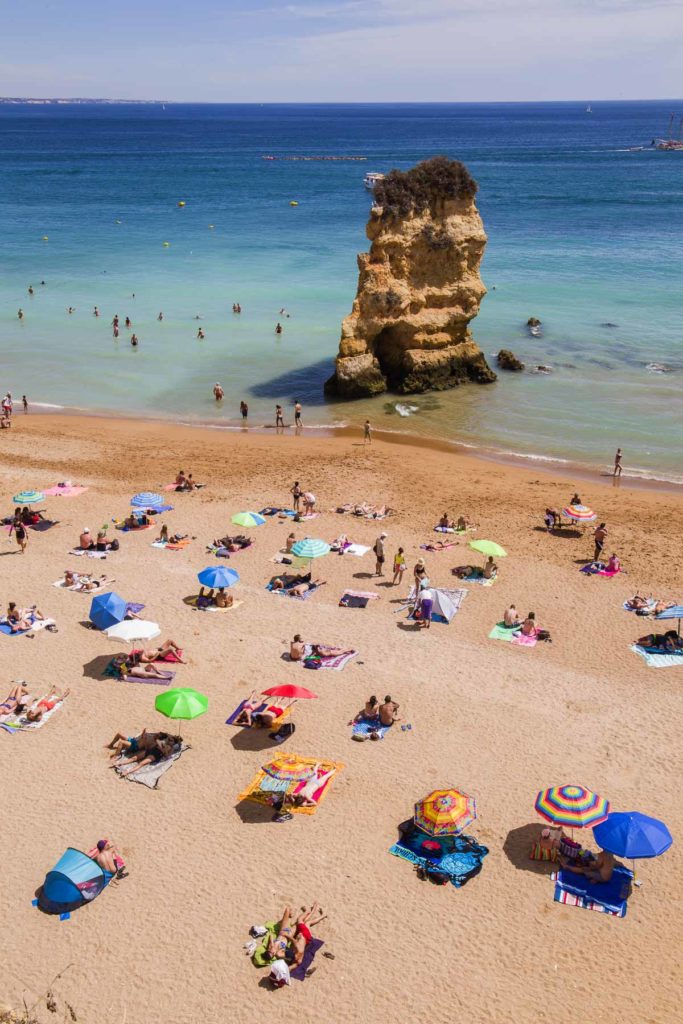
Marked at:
<point>74,880</point>
<point>444,607</point>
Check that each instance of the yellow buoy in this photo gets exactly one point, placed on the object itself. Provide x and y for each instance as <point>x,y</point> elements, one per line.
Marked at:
<point>45,238</point>
<point>181,203</point>
<point>293,202</point>
<point>166,245</point>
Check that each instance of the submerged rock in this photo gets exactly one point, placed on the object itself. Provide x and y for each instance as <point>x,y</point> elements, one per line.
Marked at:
<point>507,360</point>
<point>418,288</point>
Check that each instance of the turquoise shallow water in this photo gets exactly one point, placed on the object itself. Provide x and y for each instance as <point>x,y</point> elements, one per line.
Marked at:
<point>581,233</point>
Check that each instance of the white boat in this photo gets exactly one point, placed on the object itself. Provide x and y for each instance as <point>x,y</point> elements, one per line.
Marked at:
<point>372,179</point>
<point>589,109</point>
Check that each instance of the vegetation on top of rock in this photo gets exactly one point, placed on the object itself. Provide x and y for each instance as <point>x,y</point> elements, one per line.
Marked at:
<point>429,182</point>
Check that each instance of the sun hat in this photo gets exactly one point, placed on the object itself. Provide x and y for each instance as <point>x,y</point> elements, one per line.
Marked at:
<point>86,530</point>
<point>383,534</point>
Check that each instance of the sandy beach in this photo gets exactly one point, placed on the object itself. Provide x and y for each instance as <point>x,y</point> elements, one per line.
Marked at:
<point>497,721</point>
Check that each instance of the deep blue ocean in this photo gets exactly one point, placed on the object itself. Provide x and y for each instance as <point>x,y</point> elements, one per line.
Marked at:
<point>583,231</point>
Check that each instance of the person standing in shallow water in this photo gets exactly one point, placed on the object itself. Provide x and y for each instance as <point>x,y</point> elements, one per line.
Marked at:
<point>244,410</point>
<point>279,421</point>
<point>617,463</point>
<point>297,413</point>
<point>218,392</point>
<point>367,433</point>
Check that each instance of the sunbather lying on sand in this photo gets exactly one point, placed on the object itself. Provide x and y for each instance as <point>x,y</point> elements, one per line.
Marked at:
<point>159,653</point>
<point>16,700</point>
<point>20,619</point>
<point>228,543</point>
<point>86,584</point>
<point>306,920</point>
<point>304,798</point>
<point>133,744</point>
<point>669,642</point>
<point>648,605</point>
<point>163,748</point>
<point>249,715</point>
<point>145,671</point>
<point>53,697</point>
<point>301,588</point>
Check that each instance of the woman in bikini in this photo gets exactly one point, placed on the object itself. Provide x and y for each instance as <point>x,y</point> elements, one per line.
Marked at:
<point>15,701</point>
<point>47,703</point>
<point>21,619</point>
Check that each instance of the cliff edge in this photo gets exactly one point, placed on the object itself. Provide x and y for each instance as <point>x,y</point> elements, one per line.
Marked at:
<point>418,288</point>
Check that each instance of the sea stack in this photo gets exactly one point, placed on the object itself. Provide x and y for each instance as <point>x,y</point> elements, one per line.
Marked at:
<point>418,288</point>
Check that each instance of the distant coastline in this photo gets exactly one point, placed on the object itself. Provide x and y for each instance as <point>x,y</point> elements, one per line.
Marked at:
<point>56,101</point>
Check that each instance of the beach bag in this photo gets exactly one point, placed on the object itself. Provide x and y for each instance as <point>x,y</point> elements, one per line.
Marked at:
<point>114,546</point>
<point>569,848</point>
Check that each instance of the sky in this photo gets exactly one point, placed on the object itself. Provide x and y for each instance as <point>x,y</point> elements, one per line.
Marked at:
<point>259,51</point>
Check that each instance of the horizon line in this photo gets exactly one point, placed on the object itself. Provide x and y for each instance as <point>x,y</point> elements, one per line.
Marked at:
<point>113,101</point>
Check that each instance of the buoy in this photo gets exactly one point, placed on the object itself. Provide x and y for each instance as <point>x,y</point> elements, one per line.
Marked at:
<point>45,238</point>
<point>118,221</point>
<point>212,225</point>
<point>181,203</point>
<point>166,245</point>
<point>293,202</point>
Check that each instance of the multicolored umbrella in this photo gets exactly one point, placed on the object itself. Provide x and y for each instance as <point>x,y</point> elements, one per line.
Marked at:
<point>289,690</point>
<point>218,576</point>
<point>182,702</point>
<point>289,768</point>
<point>445,812</point>
<point>248,519</point>
<point>581,513</point>
<point>28,497</point>
<point>309,548</point>
<point>488,547</point>
<point>147,499</point>
<point>574,806</point>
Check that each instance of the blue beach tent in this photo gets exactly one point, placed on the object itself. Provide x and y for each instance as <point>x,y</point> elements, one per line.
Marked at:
<point>74,880</point>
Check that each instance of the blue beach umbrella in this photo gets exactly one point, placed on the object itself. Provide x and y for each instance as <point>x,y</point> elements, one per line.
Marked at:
<point>633,835</point>
<point>310,548</point>
<point>147,499</point>
<point>218,576</point>
<point>107,610</point>
<point>672,613</point>
<point>28,497</point>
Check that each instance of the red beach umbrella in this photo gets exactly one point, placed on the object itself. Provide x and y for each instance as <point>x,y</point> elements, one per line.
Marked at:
<point>288,690</point>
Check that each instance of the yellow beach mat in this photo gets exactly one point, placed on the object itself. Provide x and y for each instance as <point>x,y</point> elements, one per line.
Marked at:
<point>264,787</point>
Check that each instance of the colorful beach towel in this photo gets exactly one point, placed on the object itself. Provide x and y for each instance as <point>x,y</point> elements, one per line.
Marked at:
<point>150,774</point>
<point>367,728</point>
<point>35,627</point>
<point>65,491</point>
<point>231,720</point>
<point>605,897</point>
<point>459,857</point>
<point>357,598</point>
<point>333,661</point>
<point>593,570</point>
<point>43,525</point>
<point>502,632</point>
<point>262,787</point>
<point>654,659</point>
<point>192,601</point>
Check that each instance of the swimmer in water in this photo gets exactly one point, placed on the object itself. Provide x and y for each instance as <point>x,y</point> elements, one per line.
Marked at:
<point>160,317</point>
<point>128,323</point>
<point>95,311</point>
<point>115,321</point>
<point>20,314</point>
<point>116,332</point>
<point>134,340</point>
<point>198,316</point>
<point>200,334</point>
<point>71,309</point>
<point>218,392</point>
<point>30,289</point>
<point>278,328</point>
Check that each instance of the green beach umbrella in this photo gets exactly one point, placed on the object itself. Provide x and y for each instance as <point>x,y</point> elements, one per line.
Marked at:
<point>182,703</point>
<point>310,548</point>
<point>28,497</point>
<point>248,519</point>
<point>488,547</point>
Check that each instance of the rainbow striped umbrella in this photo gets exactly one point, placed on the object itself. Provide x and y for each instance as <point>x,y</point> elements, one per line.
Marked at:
<point>571,805</point>
<point>445,812</point>
<point>289,768</point>
<point>581,513</point>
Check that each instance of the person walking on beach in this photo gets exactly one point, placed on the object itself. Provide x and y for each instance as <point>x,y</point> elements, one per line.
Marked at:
<point>244,410</point>
<point>599,537</point>
<point>279,421</point>
<point>617,463</point>
<point>379,554</point>
<point>367,433</point>
<point>297,413</point>
<point>7,405</point>
<point>218,392</point>
<point>24,402</point>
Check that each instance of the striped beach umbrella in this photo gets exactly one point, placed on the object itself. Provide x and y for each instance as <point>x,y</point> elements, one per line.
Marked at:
<point>309,548</point>
<point>248,519</point>
<point>289,768</point>
<point>147,499</point>
<point>28,497</point>
<point>672,613</point>
<point>580,513</point>
<point>574,806</point>
<point>445,812</point>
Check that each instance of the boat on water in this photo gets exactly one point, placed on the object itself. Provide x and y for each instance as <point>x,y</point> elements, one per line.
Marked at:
<point>589,109</point>
<point>372,179</point>
<point>670,144</point>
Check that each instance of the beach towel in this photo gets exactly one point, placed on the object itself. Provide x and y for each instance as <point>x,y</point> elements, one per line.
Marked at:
<point>271,510</point>
<point>65,491</point>
<point>192,601</point>
<point>521,640</point>
<point>262,707</point>
<point>592,570</point>
<point>77,587</point>
<point>78,552</point>
<point>356,549</point>
<point>365,728</point>
<point>263,786</point>
<point>35,627</point>
<point>150,774</point>
<point>502,632</point>
<point>132,529</point>
<point>20,723</point>
<point>112,672</point>
<point>476,578</point>
<point>299,972</point>
<point>43,525</point>
<point>436,548</point>
<point>654,659</point>
<point>460,857</point>
<point>353,601</point>
<point>605,897</point>
<point>333,661</point>
<point>177,546</point>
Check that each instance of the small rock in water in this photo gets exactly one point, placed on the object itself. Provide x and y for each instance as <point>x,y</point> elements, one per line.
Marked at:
<point>507,360</point>
<point>608,324</point>
<point>542,368</point>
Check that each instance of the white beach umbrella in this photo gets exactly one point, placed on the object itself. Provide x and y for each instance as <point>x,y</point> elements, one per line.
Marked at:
<point>131,630</point>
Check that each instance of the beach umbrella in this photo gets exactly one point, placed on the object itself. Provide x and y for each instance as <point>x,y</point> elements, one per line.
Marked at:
<point>218,576</point>
<point>107,610</point>
<point>289,768</point>
<point>574,806</point>
<point>248,519</point>
<point>309,548</point>
<point>580,513</point>
<point>28,497</point>
<point>633,835</point>
<point>289,690</point>
<point>672,613</point>
<point>147,499</point>
<point>132,630</point>
<point>445,812</point>
<point>488,547</point>
<point>182,702</point>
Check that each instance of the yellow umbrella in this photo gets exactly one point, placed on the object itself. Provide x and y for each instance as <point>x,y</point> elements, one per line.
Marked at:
<point>445,812</point>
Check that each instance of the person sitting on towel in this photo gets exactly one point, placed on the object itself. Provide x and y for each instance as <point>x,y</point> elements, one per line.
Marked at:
<point>445,523</point>
<point>85,541</point>
<point>613,565</point>
<point>291,541</point>
<point>46,703</point>
<point>370,712</point>
<point>529,625</point>
<point>70,578</point>
<point>511,619</point>
<point>20,619</point>
<point>223,600</point>
<point>490,569</point>
<point>297,648</point>
<point>598,869</point>
<point>388,712</point>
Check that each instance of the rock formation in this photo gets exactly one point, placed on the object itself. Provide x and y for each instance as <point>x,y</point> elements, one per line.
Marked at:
<point>418,288</point>
<point>507,360</point>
